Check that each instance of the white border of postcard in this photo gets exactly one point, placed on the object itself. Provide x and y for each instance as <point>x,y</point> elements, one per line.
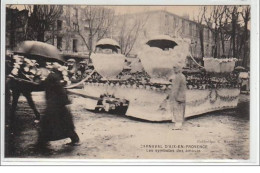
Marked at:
<point>254,90</point>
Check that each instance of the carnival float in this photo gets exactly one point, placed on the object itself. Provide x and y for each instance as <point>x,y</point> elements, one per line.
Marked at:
<point>32,61</point>
<point>140,91</point>
<point>143,93</point>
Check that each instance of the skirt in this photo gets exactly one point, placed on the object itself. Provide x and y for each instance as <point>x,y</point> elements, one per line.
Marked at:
<point>56,124</point>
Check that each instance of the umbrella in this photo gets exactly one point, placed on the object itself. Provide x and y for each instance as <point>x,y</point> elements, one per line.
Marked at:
<point>162,41</point>
<point>240,68</point>
<point>107,42</point>
<point>40,51</point>
<point>71,60</point>
<point>83,62</point>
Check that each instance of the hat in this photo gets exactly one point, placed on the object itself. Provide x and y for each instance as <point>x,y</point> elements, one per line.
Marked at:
<point>71,60</point>
<point>83,62</point>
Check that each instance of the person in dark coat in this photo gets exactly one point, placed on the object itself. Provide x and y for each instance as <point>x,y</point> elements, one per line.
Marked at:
<point>57,122</point>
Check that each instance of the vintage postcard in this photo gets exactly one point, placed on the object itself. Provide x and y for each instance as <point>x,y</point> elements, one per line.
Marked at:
<point>129,83</point>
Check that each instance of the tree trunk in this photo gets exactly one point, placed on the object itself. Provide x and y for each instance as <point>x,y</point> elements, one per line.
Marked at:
<point>233,35</point>
<point>90,45</point>
<point>216,45</point>
<point>40,36</point>
<point>234,45</point>
<point>53,35</point>
<point>201,42</point>
<point>12,32</point>
<point>244,62</point>
<point>222,44</point>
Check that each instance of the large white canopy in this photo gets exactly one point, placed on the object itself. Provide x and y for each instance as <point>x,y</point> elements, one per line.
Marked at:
<point>107,41</point>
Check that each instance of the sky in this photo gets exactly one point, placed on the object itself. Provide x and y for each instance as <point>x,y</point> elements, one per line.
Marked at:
<point>178,10</point>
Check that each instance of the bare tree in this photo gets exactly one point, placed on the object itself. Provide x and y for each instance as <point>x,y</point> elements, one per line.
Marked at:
<point>233,14</point>
<point>200,27</point>
<point>93,24</point>
<point>42,18</point>
<point>216,18</point>
<point>246,18</point>
<point>16,25</point>
<point>9,5</point>
<point>130,28</point>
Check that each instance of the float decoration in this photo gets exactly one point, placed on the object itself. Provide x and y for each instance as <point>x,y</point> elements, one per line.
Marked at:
<point>223,65</point>
<point>159,55</point>
<point>39,51</point>
<point>106,59</point>
<point>108,65</point>
<point>141,94</point>
<point>24,68</point>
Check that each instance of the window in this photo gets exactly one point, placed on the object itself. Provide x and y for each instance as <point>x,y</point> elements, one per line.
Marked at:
<point>59,42</point>
<point>75,11</point>
<point>75,26</point>
<point>75,45</point>
<point>197,30</point>
<point>51,27</point>
<point>185,30</point>
<point>59,24</point>
<point>190,29</point>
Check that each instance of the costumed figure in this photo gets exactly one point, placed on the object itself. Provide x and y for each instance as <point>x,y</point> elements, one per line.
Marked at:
<point>57,122</point>
<point>177,96</point>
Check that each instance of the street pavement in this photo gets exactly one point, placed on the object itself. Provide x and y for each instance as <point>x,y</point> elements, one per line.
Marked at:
<point>217,135</point>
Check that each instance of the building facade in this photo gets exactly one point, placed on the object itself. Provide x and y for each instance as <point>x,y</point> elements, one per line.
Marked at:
<point>163,22</point>
<point>70,33</point>
<point>76,32</point>
<point>16,22</point>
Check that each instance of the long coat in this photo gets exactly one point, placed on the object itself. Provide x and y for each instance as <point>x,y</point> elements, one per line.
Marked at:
<point>57,122</point>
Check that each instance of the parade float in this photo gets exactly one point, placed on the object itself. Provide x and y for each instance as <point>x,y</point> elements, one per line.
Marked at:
<point>31,63</point>
<point>143,94</point>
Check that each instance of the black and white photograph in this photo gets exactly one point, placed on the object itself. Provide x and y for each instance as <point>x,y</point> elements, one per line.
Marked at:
<point>139,82</point>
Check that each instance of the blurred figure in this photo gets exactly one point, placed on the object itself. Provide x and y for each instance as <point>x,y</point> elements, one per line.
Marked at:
<point>57,122</point>
<point>21,73</point>
<point>177,96</point>
<point>82,70</point>
<point>244,82</point>
<point>72,68</point>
